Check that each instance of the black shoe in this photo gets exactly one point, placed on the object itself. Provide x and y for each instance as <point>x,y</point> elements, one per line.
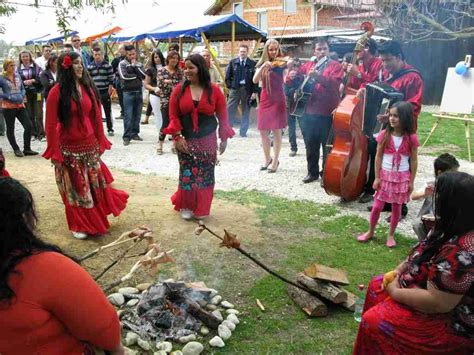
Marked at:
<point>137,138</point>
<point>292,153</point>
<point>310,178</point>
<point>366,197</point>
<point>404,210</point>
<point>18,153</point>
<point>126,141</point>
<point>265,167</point>
<point>386,208</point>
<point>390,216</point>
<point>110,133</point>
<point>243,135</point>
<point>103,119</point>
<point>30,152</point>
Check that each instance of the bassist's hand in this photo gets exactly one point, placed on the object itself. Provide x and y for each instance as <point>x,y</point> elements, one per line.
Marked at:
<point>382,118</point>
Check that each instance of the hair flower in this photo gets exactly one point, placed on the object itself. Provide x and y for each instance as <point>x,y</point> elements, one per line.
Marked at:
<point>67,62</point>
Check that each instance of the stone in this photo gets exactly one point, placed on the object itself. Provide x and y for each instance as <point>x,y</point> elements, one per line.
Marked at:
<point>233,318</point>
<point>232,311</point>
<point>130,290</point>
<point>160,352</point>
<point>193,348</point>
<point>116,299</point>
<point>142,287</point>
<point>224,332</point>
<point>218,315</point>
<point>226,304</point>
<point>187,338</point>
<point>217,342</point>
<point>216,300</point>
<point>132,302</point>
<point>143,344</point>
<point>177,352</point>
<point>165,346</point>
<point>131,338</point>
<point>128,351</point>
<point>213,292</point>
<point>211,307</point>
<point>229,324</point>
<point>204,330</point>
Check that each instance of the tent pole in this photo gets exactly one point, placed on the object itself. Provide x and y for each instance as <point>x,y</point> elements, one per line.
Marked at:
<point>257,46</point>
<point>216,61</point>
<point>232,48</point>
<point>180,46</point>
<point>192,47</point>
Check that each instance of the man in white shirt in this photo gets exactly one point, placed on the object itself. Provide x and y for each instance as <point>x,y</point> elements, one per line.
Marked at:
<point>76,45</point>
<point>41,61</point>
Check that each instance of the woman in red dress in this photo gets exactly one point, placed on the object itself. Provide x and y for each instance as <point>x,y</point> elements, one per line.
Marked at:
<point>194,106</point>
<point>272,115</point>
<point>76,141</point>
<point>429,307</point>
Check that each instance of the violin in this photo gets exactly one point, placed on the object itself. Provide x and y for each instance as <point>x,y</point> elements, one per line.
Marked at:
<point>280,62</point>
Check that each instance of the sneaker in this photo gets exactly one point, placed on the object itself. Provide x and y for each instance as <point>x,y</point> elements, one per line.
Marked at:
<point>137,138</point>
<point>186,214</point>
<point>126,141</point>
<point>110,133</point>
<point>366,197</point>
<point>18,153</point>
<point>30,152</point>
<point>79,235</point>
<point>310,178</point>
<point>292,153</point>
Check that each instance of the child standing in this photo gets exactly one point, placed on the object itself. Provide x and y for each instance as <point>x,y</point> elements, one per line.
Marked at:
<point>396,163</point>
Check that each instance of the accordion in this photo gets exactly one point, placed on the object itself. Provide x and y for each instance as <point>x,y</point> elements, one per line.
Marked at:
<point>378,99</point>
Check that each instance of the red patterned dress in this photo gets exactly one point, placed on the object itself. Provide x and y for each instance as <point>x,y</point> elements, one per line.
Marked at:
<point>83,179</point>
<point>389,327</point>
<point>197,122</point>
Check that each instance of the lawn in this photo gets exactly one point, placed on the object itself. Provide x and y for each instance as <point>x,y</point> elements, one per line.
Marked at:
<point>449,137</point>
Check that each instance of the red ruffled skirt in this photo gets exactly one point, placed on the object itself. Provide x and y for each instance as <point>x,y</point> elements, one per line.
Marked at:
<point>84,185</point>
<point>388,327</point>
<point>394,186</point>
<point>196,176</point>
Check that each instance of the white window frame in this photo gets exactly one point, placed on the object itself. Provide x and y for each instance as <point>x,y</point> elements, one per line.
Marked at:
<point>285,10</point>
<point>259,20</point>
<point>234,6</point>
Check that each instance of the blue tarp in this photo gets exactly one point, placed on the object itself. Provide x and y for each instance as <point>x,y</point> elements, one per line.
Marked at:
<point>49,38</point>
<point>214,27</point>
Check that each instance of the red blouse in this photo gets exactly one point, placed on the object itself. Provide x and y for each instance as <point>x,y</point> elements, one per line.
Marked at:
<point>369,73</point>
<point>83,129</point>
<point>185,106</point>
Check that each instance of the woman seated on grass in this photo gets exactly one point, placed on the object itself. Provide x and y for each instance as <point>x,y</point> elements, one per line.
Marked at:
<point>48,303</point>
<point>429,306</point>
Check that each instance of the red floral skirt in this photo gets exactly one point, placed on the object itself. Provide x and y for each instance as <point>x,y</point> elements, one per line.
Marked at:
<point>388,327</point>
<point>196,176</point>
<point>84,182</point>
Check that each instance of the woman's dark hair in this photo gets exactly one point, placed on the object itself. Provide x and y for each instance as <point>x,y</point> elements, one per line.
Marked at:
<point>203,75</point>
<point>50,61</point>
<point>151,62</point>
<point>444,163</point>
<point>17,232</point>
<point>453,201</point>
<point>173,47</point>
<point>170,55</point>
<point>405,115</point>
<point>68,89</point>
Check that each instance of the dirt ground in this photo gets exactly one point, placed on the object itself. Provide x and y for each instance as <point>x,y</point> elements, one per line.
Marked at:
<point>149,204</point>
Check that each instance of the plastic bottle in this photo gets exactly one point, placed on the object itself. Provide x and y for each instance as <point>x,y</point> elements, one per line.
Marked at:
<point>359,305</point>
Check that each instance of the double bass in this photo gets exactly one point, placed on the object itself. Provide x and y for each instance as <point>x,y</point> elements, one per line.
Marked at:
<point>346,165</point>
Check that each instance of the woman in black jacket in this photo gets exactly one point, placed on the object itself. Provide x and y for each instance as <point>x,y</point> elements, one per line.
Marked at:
<point>48,76</point>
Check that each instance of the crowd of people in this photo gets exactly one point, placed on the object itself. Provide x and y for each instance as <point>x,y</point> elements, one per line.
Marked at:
<point>428,306</point>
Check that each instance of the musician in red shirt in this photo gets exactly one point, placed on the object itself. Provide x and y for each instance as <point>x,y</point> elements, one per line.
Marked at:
<point>370,68</point>
<point>405,79</point>
<point>316,121</point>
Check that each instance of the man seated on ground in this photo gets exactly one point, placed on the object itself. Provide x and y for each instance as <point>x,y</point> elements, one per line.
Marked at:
<point>444,163</point>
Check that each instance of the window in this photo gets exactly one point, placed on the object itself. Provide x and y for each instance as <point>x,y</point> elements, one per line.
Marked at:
<point>262,21</point>
<point>289,6</point>
<point>239,9</point>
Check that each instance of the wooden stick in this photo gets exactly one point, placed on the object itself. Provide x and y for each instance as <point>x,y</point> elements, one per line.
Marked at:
<point>260,305</point>
<point>311,305</point>
<point>324,289</point>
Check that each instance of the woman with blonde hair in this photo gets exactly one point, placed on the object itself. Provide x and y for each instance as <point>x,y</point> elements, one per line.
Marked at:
<point>272,109</point>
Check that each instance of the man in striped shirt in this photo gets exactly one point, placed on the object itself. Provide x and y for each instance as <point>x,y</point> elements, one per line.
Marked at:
<point>103,76</point>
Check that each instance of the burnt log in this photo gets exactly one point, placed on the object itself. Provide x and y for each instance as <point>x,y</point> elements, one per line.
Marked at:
<point>310,304</point>
<point>326,290</point>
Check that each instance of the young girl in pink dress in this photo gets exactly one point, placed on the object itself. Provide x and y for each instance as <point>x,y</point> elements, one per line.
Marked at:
<point>396,163</point>
<point>272,116</point>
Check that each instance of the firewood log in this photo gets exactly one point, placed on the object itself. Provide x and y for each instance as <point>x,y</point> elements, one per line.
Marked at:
<point>350,302</point>
<point>324,289</point>
<point>311,305</point>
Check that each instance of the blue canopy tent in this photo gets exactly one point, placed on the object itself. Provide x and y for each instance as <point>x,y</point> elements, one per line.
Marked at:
<point>50,38</point>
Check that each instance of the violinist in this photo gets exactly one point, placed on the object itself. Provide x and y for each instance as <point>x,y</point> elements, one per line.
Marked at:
<point>316,122</point>
<point>271,115</point>
<point>370,67</point>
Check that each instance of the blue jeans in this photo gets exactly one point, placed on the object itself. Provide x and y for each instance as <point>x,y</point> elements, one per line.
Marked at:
<point>133,103</point>
<point>292,131</point>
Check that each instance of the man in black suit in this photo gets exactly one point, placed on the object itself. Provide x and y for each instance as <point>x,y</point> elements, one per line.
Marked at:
<point>239,79</point>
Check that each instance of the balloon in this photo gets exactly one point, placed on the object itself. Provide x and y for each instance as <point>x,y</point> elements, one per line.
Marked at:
<point>460,68</point>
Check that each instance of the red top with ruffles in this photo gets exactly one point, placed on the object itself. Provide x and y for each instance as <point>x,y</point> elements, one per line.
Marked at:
<point>185,106</point>
<point>83,129</point>
<point>57,307</point>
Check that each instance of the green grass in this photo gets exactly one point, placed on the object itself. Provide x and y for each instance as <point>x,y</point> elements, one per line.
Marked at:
<point>327,239</point>
<point>449,137</point>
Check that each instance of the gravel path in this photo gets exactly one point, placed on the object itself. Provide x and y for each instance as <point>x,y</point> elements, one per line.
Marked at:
<point>239,168</point>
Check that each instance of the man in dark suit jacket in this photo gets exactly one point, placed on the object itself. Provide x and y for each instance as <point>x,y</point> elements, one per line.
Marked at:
<point>239,79</point>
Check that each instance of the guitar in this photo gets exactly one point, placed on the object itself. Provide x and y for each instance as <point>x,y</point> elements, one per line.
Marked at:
<point>304,92</point>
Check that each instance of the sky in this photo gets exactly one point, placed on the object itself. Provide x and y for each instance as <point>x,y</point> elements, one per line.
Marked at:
<point>28,22</point>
